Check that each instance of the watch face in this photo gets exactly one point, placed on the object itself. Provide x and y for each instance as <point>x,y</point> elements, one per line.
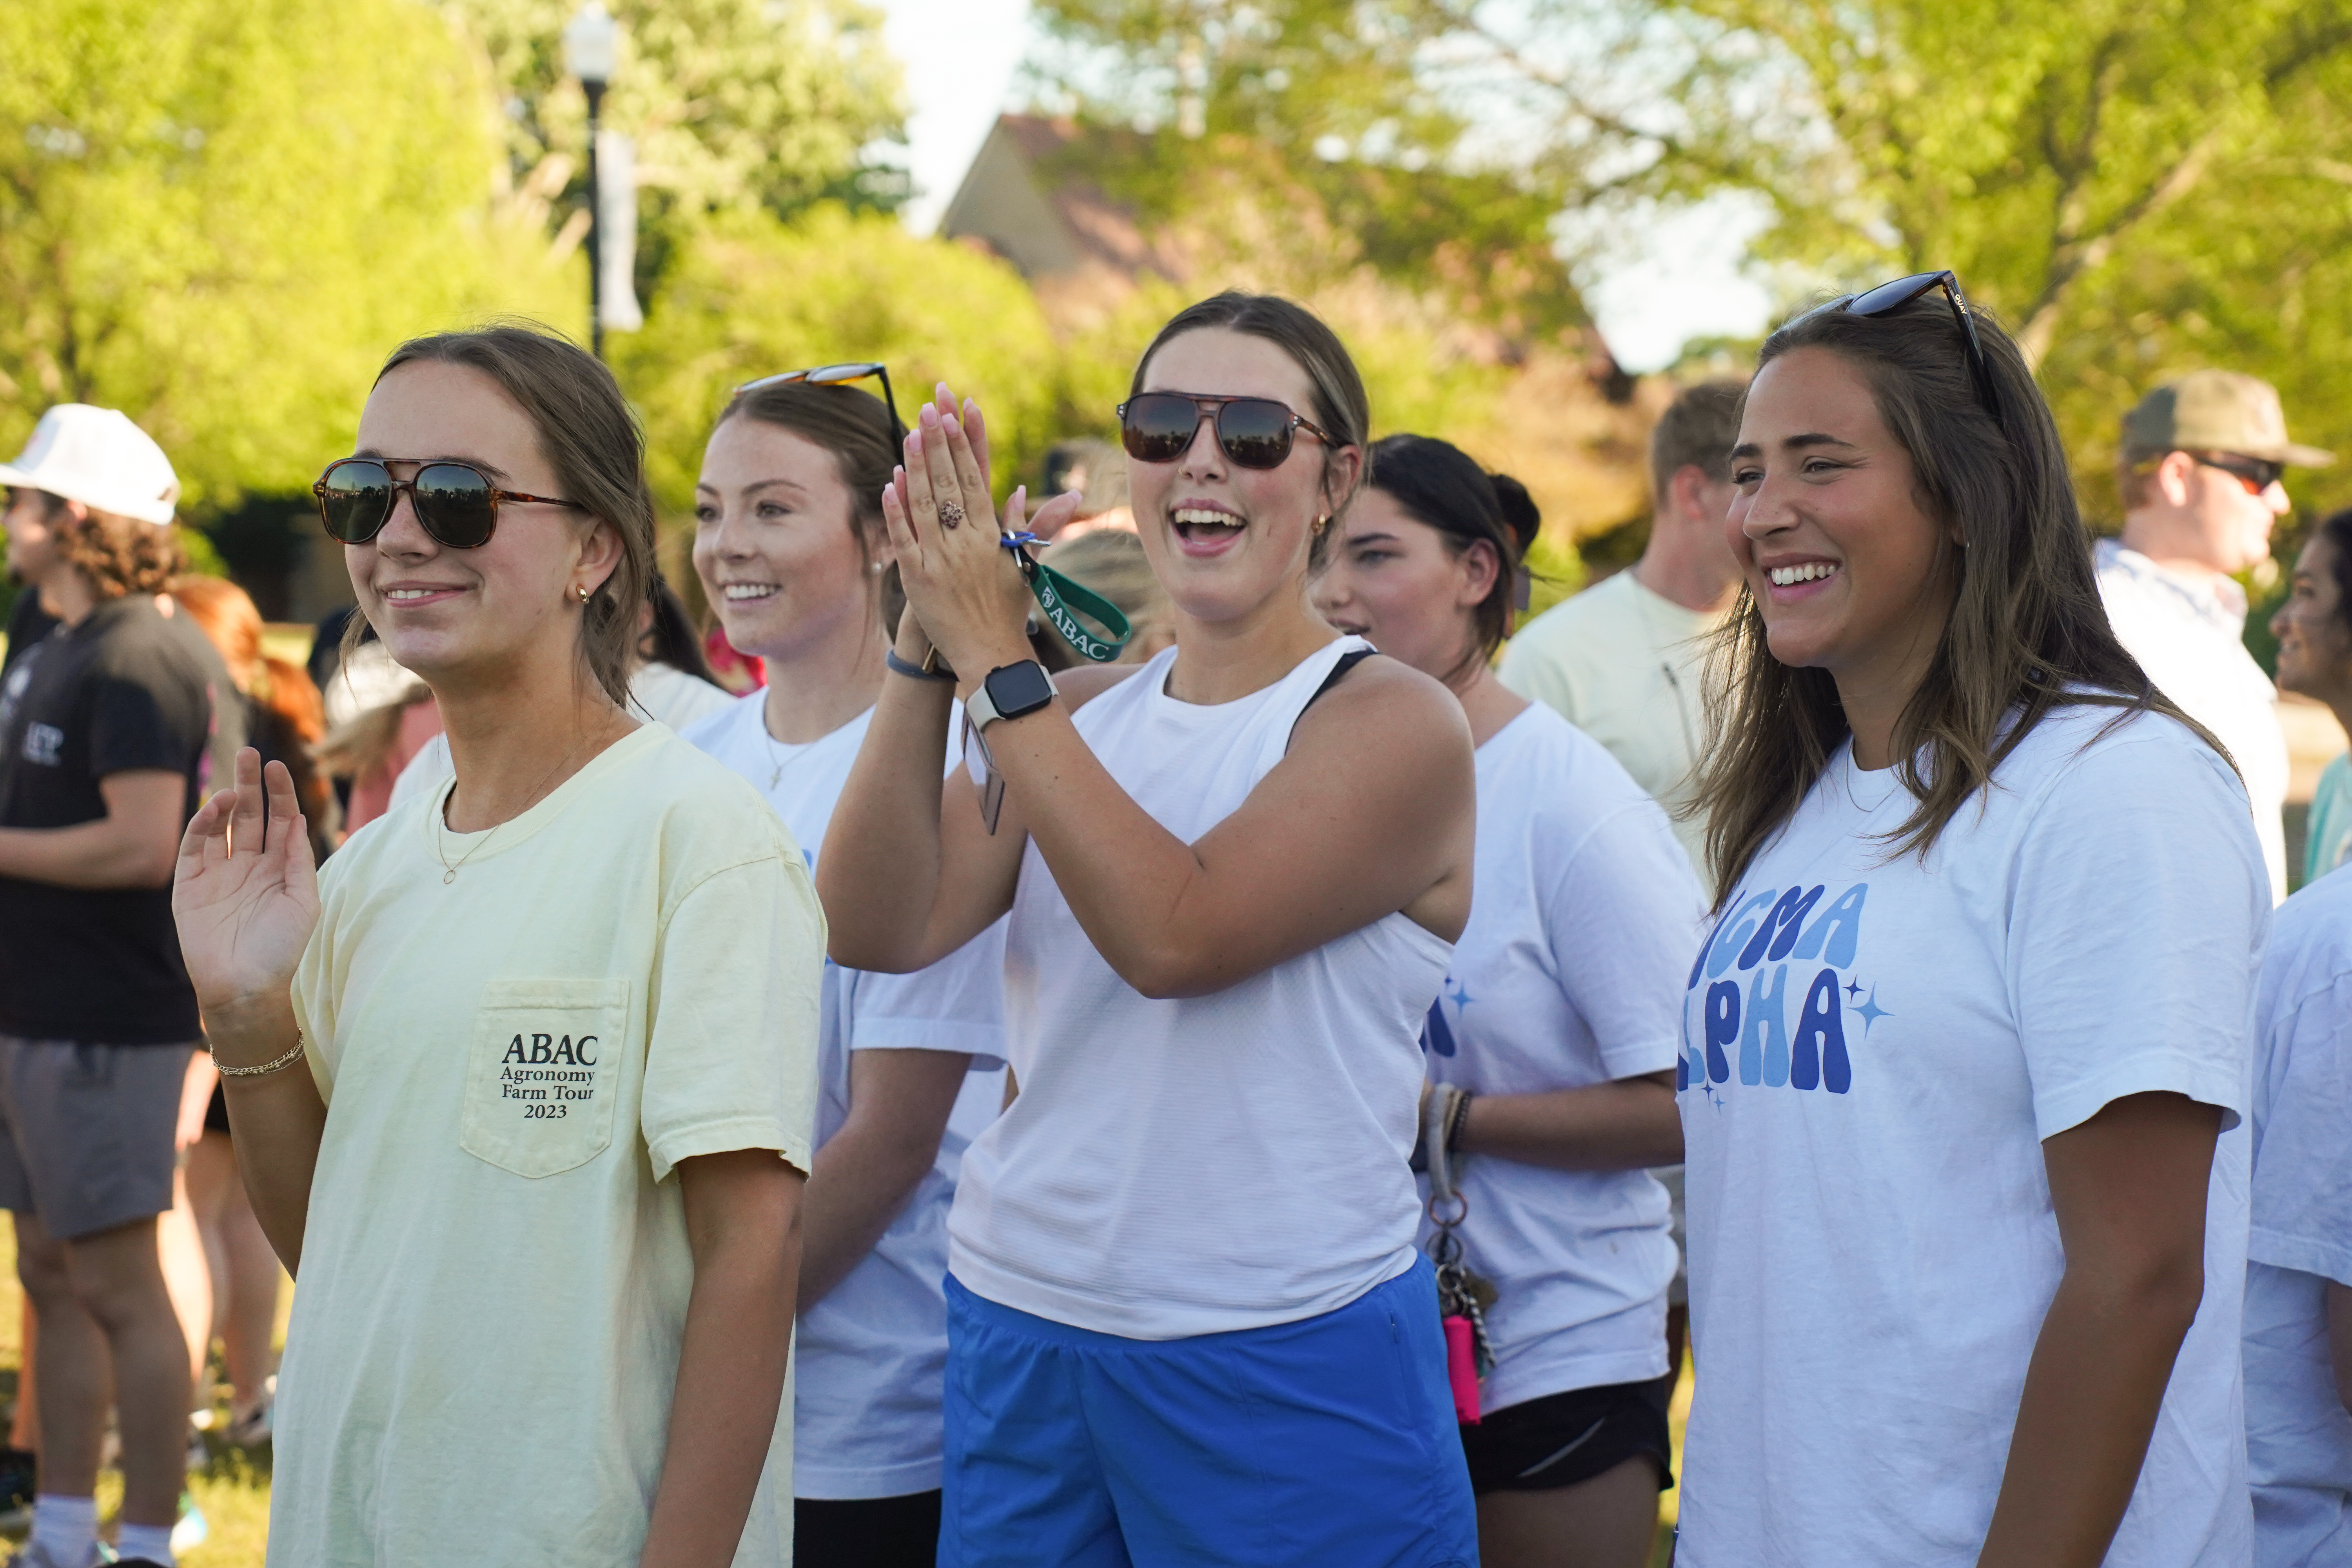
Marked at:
<point>1018,688</point>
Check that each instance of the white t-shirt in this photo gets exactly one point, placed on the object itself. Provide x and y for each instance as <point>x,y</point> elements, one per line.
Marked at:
<point>1874,1051</point>
<point>496,1269</point>
<point>2189,634</point>
<point>1624,664</point>
<point>871,1355</point>
<point>2298,1438</point>
<point>657,691</point>
<point>1194,1165</point>
<point>1566,975</point>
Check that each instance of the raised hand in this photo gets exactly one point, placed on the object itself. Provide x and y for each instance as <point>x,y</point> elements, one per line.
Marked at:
<point>962,586</point>
<point>245,892</point>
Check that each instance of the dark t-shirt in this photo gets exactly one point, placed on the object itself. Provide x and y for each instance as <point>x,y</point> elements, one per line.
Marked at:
<point>127,690</point>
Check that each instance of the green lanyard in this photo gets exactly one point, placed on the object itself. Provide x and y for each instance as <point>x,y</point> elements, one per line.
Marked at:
<point>1058,598</point>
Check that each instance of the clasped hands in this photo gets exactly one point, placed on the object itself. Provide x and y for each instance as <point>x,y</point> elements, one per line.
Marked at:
<point>965,592</point>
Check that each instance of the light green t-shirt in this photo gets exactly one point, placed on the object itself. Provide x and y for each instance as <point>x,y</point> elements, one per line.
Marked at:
<point>1624,664</point>
<point>496,1269</point>
<point>2327,830</point>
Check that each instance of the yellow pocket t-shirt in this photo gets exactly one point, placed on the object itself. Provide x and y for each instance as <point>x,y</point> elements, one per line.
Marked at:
<point>540,1086</point>
<point>496,1268</point>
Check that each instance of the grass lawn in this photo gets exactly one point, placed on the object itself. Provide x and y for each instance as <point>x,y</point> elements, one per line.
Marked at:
<point>234,1494</point>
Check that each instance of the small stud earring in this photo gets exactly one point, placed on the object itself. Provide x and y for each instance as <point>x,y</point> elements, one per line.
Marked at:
<point>583,595</point>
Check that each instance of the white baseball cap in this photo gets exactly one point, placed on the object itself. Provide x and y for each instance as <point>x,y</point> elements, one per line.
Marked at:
<point>97,457</point>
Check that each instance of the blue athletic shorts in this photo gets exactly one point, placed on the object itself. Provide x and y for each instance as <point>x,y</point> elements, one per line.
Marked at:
<point>1327,1443</point>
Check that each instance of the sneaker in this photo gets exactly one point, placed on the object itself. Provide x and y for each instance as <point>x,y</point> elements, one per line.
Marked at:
<point>191,1530</point>
<point>250,1428</point>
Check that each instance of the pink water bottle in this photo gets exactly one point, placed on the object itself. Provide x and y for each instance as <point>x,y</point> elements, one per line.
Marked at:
<point>1462,1369</point>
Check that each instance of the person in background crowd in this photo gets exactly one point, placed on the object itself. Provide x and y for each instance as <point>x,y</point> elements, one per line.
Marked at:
<point>1550,1047</point>
<point>1963,1048</point>
<point>284,714</point>
<point>565,1008</point>
<point>1097,471</point>
<point>1186,1319</point>
<point>28,622</point>
<point>1621,660</point>
<point>107,734</point>
<point>2203,461</point>
<point>2313,628</point>
<point>2298,1293</point>
<point>670,683</point>
<point>370,752</point>
<point>284,718</point>
<point>1111,561</point>
<point>790,546</point>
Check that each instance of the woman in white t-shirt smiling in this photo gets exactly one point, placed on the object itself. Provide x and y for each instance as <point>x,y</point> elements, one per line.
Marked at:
<point>1187,1322</point>
<point>1965,1053</point>
<point>1551,1046</point>
<point>540,1175</point>
<point>790,546</point>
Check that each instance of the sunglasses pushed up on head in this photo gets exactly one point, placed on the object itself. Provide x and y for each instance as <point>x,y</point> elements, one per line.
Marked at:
<point>1251,432</point>
<point>456,503</point>
<point>1893,296</point>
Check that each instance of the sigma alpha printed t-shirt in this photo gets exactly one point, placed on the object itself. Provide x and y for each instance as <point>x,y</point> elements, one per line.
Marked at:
<point>1874,1051</point>
<point>495,1270</point>
<point>2298,1436</point>
<point>1568,974</point>
<point>871,1357</point>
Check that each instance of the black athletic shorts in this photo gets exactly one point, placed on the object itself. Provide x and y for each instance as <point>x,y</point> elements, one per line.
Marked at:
<point>1563,1438</point>
<point>867,1532</point>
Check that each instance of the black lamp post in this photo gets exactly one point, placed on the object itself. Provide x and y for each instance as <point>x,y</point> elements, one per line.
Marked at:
<point>588,55</point>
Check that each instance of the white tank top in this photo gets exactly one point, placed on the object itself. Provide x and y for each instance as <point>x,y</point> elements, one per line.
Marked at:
<point>1202,1164</point>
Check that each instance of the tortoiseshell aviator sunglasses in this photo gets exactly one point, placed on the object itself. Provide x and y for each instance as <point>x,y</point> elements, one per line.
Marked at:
<point>837,376</point>
<point>456,503</point>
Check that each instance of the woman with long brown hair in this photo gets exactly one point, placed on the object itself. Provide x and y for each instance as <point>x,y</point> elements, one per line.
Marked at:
<point>1964,1055</point>
<point>521,1085</point>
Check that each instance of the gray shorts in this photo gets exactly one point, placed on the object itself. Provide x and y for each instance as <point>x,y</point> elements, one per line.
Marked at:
<point>89,1133</point>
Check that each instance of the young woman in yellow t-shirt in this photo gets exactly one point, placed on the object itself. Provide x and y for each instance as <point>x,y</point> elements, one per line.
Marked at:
<point>525,1000</point>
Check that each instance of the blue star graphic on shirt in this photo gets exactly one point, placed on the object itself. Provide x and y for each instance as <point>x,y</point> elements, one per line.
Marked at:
<point>1713,1099</point>
<point>1853,988</point>
<point>1461,998</point>
<point>1871,1012</point>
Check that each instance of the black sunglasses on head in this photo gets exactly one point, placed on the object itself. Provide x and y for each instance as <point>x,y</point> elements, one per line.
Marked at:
<point>1891,297</point>
<point>1253,432</point>
<point>836,375</point>
<point>456,503</point>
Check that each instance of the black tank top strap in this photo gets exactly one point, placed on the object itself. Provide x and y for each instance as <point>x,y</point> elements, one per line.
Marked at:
<point>1348,661</point>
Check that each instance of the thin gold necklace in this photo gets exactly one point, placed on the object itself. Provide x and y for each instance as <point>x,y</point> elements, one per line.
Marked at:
<point>441,818</point>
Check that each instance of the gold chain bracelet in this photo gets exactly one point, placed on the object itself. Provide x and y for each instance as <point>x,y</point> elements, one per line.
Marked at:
<point>287,1061</point>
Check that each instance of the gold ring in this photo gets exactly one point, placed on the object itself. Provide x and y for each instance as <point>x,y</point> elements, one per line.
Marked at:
<point>950,514</point>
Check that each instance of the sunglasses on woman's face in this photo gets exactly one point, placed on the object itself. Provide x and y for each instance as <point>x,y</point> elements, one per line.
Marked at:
<point>456,503</point>
<point>1894,296</point>
<point>2257,474</point>
<point>1251,432</point>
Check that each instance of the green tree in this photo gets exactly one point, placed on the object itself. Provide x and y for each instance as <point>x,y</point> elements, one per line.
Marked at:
<point>217,214</point>
<point>754,296</point>
<point>735,106</point>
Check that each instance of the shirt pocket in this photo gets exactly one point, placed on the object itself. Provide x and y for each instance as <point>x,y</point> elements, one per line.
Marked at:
<point>544,1071</point>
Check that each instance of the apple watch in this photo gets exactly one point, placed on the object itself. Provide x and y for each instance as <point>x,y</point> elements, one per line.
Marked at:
<point>1010,691</point>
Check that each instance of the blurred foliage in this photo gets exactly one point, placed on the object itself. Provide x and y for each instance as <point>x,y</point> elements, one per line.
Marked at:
<point>217,216</point>
<point>2138,187</point>
<point>756,296</point>
<point>735,106</point>
<point>1309,127</point>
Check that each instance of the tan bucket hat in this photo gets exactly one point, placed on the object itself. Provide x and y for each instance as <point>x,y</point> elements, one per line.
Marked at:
<point>2216,411</point>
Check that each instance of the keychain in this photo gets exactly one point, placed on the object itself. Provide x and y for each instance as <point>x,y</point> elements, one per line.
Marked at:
<point>1462,1293</point>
